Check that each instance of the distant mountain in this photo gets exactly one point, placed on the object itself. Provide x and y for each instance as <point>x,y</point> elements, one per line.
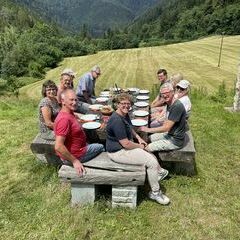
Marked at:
<point>97,15</point>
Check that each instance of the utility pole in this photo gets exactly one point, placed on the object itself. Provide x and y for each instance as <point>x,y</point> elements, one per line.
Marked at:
<point>220,52</point>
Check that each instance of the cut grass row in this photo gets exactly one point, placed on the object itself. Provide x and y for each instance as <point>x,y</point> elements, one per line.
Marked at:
<point>196,60</point>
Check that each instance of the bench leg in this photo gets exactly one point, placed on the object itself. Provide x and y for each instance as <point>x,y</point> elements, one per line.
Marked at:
<point>82,194</point>
<point>125,196</point>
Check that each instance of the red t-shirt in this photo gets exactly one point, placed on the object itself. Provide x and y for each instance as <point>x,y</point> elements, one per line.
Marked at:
<point>66,125</point>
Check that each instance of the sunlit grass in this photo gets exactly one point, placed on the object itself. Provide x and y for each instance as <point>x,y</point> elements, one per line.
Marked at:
<point>196,60</point>
<point>34,205</point>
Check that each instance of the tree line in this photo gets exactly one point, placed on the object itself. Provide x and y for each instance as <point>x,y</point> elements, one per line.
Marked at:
<point>29,46</point>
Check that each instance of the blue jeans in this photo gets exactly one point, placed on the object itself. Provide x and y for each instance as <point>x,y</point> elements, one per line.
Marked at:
<point>92,151</point>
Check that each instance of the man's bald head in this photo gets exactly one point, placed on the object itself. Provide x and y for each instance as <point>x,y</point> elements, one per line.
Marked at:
<point>69,100</point>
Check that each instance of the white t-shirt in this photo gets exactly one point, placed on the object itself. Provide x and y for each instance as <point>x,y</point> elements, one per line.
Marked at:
<point>185,100</point>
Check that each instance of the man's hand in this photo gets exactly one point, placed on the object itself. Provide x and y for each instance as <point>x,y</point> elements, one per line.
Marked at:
<point>141,141</point>
<point>144,129</point>
<point>79,167</point>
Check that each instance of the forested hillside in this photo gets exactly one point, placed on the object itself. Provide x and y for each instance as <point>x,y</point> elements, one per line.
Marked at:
<point>188,19</point>
<point>29,46</point>
<point>98,15</point>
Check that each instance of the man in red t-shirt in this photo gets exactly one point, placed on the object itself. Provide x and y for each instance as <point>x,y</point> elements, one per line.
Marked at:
<point>70,142</point>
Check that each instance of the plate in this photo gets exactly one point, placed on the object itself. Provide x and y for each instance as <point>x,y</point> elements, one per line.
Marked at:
<point>104,93</point>
<point>143,91</point>
<point>142,97</point>
<point>133,89</point>
<point>141,104</point>
<point>139,122</point>
<point>91,125</point>
<point>88,117</point>
<point>102,99</point>
<point>116,89</point>
<point>96,107</point>
<point>141,113</point>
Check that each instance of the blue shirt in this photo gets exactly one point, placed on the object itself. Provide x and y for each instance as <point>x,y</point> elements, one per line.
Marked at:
<point>86,83</point>
<point>118,128</point>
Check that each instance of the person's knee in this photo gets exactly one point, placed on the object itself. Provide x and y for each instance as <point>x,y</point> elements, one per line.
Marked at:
<point>99,147</point>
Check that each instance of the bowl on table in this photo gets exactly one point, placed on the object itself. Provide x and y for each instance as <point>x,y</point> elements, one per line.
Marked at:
<point>106,110</point>
<point>102,99</point>
<point>142,97</point>
<point>140,113</point>
<point>139,122</point>
<point>144,91</point>
<point>141,104</point>
<point>95,107</point>
<point>88,117</point>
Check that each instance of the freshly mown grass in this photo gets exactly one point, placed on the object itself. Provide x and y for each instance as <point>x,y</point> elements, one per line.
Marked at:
<point>196,60</point>
<point>34,205</point>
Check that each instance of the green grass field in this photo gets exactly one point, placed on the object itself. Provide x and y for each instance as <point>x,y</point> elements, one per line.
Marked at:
<point>34,205</point>
<point>196,60</point>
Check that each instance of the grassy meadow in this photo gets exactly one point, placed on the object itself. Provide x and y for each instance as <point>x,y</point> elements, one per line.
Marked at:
<point>34,205</point>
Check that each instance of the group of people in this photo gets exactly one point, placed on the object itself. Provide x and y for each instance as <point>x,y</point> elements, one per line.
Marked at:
<point>123,144</point>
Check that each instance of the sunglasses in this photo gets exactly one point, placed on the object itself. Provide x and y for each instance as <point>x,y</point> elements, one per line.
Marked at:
<point>98,74</point>
<point>179,88</point>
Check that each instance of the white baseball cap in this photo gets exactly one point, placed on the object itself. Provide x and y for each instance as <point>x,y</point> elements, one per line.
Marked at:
<point>183,84</point>
<point>69,71</point>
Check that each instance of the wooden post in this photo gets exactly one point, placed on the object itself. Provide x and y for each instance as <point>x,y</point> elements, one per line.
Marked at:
<point>220,51</point>
<point>236,103</point>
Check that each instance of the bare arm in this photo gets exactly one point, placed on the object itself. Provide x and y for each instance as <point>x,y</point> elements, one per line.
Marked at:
<point>128,144</point>
<point>47,116</point>
<point>167,125</point>
<point>157,102</point>
<point>139,139</point>
<point>60,147</point>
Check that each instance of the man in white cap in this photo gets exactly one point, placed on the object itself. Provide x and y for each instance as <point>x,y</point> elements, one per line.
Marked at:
<point>181,93</point>
<point>86,85</point>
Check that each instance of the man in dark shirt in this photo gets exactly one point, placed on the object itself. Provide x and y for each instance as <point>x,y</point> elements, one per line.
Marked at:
<point>171,134</point>
<point>163,78</point>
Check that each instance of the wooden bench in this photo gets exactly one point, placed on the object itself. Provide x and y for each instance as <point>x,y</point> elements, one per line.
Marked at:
<point>181,161</point>
<point>101,170</point>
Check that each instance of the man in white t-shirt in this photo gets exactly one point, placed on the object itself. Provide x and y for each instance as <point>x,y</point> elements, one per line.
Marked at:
<point>181,93</point>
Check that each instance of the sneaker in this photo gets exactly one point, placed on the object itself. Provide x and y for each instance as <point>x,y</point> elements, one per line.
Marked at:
<point>159,197</point>
<point>162,174</point>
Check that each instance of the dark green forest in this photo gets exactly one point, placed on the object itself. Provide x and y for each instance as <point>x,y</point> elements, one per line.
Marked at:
<point>29,45</point>
<point>98,15</point>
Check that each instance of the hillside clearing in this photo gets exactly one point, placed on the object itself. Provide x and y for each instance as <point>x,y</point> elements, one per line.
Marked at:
<point>197,60</point>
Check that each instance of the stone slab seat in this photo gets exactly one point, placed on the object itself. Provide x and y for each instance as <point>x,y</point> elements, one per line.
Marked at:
<point>44,150</point>
<point>101,170</point>
<point>181,161</point>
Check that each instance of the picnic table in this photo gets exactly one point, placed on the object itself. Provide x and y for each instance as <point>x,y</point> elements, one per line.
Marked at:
<point>124,179</point>
<point>99,135</point>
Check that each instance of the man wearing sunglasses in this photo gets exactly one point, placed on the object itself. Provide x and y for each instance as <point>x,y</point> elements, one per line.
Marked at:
<point>86,85</point>
<point>181,93</point>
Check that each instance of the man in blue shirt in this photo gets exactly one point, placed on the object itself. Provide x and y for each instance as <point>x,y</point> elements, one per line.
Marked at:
<point>86,85</point>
